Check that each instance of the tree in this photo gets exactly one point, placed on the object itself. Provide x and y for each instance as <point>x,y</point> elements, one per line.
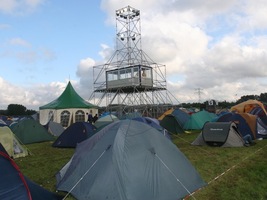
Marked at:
<point>16,109</point>
<point>263,97</point>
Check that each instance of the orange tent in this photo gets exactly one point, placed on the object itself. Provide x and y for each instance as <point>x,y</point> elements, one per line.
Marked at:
<point>247,106</point>
<point>168,112</point>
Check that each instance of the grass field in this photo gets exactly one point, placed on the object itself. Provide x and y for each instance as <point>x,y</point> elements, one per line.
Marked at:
<point>231,173</point>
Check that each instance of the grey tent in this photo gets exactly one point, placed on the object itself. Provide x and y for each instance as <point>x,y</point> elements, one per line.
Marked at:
<point>126,160</point>
<point>54,128</point>
<point>224,134</point>
<point>105,120</point>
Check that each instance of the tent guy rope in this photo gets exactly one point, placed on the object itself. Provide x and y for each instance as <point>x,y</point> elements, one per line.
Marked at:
<point>190,194</point>
<point>229,169</point>
<point>86,172</point>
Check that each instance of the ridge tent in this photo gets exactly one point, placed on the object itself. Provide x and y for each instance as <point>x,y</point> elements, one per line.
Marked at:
<point>128,160</point>
<point>11,143</point>
<point>246,123</point>
<point>30,131</point>
<point>197,120</point>
<point>221,134</point>
<point>75,134</point>
<point>68,108</point>
<point>14,185</point>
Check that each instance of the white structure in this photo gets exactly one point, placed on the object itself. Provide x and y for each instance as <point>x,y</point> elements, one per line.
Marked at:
<point>68,108</point>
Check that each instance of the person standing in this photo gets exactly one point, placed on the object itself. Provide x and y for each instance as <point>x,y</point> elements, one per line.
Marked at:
<point>95,118</point>
<point>90,117</point>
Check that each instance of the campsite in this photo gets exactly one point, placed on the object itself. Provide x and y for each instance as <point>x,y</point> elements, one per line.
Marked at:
<point>244,180</point>
<point>132,139</point>
<point>179,155</point>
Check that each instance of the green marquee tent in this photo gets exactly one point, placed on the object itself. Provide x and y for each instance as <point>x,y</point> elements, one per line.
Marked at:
<point>68,108</point>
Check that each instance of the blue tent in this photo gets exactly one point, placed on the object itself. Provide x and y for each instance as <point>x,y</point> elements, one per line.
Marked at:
<point>128,159</point>
<point>181,116</point>
<point>74,134</point>
<point>154,123</point>
<point>14,185</point>
<point>246,123</point>
<point>173,120</point>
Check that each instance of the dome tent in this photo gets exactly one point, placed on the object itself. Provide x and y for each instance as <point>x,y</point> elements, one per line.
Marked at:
<point>14,185</point>
<point>74,134</point>
<point>29,131</point>
<point>11,144</point>
<point>128,159</point>
<point>68,108</point>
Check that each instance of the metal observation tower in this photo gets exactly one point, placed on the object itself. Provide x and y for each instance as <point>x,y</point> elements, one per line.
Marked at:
<point>130,81</point>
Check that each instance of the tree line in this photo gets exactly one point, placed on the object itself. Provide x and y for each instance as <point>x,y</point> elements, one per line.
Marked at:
<point>17,109</point>
<point>224,104</point>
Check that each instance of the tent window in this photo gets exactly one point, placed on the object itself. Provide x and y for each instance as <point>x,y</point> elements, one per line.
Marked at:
<point>79,116</point>
<point>64,118</point>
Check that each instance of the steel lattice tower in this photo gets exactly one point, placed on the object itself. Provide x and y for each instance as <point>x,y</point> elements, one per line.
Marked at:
<point>130,81</point>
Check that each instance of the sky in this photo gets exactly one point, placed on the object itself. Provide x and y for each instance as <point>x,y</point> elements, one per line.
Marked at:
<point>211,49</point>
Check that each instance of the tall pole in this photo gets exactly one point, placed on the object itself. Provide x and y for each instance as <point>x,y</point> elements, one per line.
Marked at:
<point>199,92</point>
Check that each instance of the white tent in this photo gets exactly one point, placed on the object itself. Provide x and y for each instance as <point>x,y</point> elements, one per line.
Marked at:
<point>68,108</point>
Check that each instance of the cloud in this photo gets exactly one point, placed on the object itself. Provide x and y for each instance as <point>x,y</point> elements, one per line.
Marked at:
<point>19,7</point>
<point>19,42</point>
<point>85,73</point>
<point>4,26</point>
<point>31,97</point>
<point>218,46</point>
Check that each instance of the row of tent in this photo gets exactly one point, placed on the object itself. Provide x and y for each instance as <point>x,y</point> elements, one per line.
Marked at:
<point>26,131</point>
<point>250,120</point>
<point>80,131</point>
<point>175,121</point>
<point>149,171</point>
<point>107,165</point>
<point>250,117</point>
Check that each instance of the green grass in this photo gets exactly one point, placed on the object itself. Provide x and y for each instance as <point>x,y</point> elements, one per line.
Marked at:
<point>244,178</point>
<point>240,171</point>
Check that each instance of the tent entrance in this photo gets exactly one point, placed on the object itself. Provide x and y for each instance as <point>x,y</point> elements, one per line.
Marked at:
<point>216,133</point>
